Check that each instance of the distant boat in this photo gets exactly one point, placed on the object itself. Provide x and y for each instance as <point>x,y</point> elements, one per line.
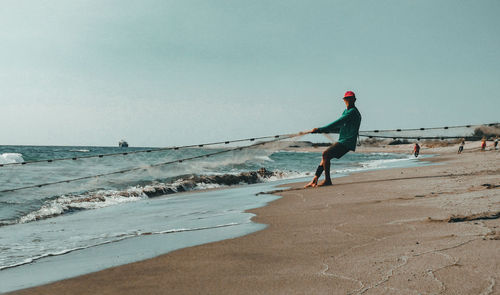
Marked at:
<point>123,143</point>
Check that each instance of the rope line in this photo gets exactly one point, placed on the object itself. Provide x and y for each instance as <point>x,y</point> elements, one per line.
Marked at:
<point>264,137</point>
<point>151,166</point>
<point>431,128</point>
<point>146,151</point>
<point>422,137</point>
<point>273,139</point>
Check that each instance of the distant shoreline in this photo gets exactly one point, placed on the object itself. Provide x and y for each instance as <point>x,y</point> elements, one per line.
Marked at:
<point>445,148</point>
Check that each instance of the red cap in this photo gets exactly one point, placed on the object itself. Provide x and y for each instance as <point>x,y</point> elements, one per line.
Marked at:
<point>349,94</point>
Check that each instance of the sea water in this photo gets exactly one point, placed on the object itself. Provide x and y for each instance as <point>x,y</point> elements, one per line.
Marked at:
<point>64,230</point>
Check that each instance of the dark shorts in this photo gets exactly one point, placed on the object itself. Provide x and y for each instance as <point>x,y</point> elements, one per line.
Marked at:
<point>336,150</point>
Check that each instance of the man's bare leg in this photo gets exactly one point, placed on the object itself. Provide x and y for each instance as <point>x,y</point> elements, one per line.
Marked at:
<point>326,166</point>
<point>314,181</point>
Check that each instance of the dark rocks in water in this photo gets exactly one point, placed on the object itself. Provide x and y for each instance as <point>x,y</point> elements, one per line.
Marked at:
<point>263,172</point>
<point>230,179</point>
<point>190,182</point>
<point>158,191</point>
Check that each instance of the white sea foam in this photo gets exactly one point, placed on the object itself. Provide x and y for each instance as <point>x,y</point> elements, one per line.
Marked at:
<point>264,158</point>
<point>243,157</point>
<point>8,158</point>
<point>373,164</point>
<point>80,151</point>
<point>281,175</point>
<point>202,186</point>
<point>100,199</point>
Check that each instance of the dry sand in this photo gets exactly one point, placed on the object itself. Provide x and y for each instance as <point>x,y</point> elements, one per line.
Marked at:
<point>426,230</point>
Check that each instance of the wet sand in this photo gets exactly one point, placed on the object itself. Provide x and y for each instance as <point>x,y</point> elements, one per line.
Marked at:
<point>425,230</point>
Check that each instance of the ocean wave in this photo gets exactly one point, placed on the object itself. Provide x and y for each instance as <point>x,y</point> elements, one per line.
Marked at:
<point>373,164</point>
<point>8,158</point>
<point>264,158</point>
<point>382,162</point>
<point>80,151</point>
<point>70,203</point>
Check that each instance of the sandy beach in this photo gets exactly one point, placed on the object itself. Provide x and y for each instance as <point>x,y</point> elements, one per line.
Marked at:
<point>425,230</point>
<point>163,147</point>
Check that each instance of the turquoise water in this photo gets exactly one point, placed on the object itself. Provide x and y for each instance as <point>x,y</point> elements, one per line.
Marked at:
<point>90,225</point>
<point>67,198</point>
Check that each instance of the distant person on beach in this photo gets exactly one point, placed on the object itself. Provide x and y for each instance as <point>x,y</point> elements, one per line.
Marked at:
<point>495,145</point>
<point>483,144</point>
<point>461,147</point>
<point>416,149</point>
<point>348,127</point>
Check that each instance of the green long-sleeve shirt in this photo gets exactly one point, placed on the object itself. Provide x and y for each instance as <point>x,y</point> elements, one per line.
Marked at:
<point>348,124</point>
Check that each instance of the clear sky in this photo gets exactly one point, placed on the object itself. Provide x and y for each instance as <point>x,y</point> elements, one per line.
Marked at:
<point>161,73</point>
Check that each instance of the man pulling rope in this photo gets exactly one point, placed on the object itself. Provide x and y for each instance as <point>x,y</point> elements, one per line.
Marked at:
<point>348,127</point>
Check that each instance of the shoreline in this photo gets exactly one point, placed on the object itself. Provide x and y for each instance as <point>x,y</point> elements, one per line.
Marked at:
<point>276,250</point>
<point>116,253</point>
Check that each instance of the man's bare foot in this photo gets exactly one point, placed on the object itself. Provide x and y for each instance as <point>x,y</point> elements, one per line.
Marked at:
<point>313,183</point>
<point>325,183</point>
